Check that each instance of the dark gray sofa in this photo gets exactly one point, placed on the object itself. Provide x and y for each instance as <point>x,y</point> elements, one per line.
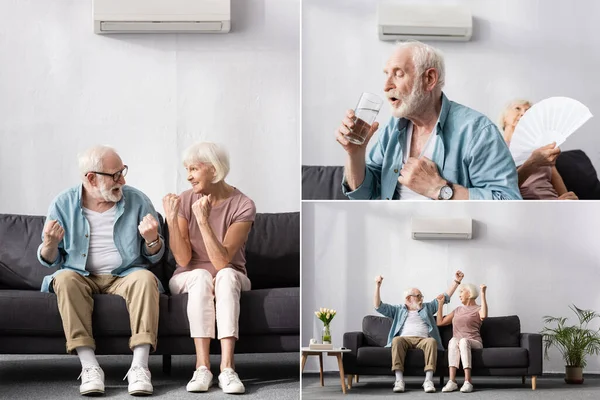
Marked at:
<point>269,315</point>
<point>506,351</point>
<point>574,166</point>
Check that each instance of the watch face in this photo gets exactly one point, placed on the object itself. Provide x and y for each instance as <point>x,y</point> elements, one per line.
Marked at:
<point>446,192</point>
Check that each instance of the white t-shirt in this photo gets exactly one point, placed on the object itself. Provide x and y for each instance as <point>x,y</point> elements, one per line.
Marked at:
<point>402,191</point>
<point>415,326</point>
<point>103,255</point>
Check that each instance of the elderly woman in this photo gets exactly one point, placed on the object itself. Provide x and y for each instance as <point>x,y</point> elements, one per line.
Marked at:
<point>208,229</point>
<point>466,324</point>
<point>538,177</point>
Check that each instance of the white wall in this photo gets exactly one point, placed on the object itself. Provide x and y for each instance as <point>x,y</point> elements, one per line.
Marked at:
<point>520,49</point>
<point>63,88</point>
<point>536,259</point>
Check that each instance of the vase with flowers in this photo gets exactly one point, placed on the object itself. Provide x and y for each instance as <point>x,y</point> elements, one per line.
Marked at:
<point>326,315</point>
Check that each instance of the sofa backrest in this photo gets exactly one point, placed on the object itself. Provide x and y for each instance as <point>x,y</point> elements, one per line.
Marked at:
<point>579,174</point>
<point>272,252</point>
<point>322,183</point>
<point>495,331</point>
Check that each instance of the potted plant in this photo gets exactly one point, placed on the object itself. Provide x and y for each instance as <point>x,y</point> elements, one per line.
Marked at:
<point>574,342</point>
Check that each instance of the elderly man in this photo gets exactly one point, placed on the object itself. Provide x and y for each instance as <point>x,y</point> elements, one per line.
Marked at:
<point>414,326</point>
<point>102,235</point>
<point>432,148</point>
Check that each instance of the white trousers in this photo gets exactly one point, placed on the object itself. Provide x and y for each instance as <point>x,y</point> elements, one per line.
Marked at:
<point>203,290</point>
<point>460,350</point>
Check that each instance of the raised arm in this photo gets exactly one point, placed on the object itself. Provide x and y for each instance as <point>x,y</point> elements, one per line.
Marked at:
<point>441,319</point>
<point>483,312</point>
<point>377,297</point>
<point>458,277</point>
<point>220,254</point>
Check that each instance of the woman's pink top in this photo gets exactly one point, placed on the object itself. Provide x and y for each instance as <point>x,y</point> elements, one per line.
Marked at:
<point>467,323</point>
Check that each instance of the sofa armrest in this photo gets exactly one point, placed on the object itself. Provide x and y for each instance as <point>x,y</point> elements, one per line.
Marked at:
<point>533,343</point>
<point>352,341</point>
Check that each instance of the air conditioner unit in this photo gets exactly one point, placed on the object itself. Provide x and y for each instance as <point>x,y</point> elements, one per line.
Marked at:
<point>162,16</point>
<point>442,228</point>
<point>424,22</point>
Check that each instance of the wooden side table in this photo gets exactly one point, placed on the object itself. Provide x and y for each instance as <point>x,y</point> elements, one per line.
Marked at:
<point>306,351</point>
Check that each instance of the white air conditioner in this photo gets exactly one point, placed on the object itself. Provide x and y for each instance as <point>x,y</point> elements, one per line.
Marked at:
<point>424,22</point>
<point>442,228</point>
<point>162,16</point>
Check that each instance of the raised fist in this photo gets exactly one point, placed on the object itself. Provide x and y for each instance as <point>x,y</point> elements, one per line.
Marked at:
<point>53,233</point>
<point>148,228</point>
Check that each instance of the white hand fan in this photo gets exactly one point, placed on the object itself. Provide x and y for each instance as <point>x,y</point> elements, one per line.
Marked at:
<point>551,120</point>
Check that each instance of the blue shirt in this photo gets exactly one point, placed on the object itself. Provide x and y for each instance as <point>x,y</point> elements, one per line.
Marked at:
<point>66,208</point>
<point>470,151</point>
<point>399,314</point>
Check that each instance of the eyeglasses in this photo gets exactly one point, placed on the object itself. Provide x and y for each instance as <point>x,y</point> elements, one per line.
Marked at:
<point>418,296</point>
<point>116,176</point>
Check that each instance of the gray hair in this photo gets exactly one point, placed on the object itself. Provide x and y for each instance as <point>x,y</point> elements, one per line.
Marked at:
<point>425,57</point>
<point>508,107</point>
<point>208,153</point>
<point>472,289</point>
<point>91,159</point>
<point>408,292</point>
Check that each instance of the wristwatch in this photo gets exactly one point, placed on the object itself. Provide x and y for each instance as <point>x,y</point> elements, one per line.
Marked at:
<point>446,192</point>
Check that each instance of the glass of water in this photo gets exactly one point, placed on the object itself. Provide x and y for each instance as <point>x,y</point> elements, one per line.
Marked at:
<point>364,115</point>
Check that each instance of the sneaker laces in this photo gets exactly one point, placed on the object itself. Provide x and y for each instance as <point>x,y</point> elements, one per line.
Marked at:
<point>90,374</point>
<point>230,376</point>
<point>139,374</point>
<point>203,375</point>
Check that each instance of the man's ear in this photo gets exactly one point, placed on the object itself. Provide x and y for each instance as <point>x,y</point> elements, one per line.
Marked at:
<point>431,78</point>
<point>91,179</point>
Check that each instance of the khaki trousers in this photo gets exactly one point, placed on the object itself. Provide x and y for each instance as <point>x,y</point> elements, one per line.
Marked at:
<point>76,304</point>
<point>203,292</point>
<point>401,344</point>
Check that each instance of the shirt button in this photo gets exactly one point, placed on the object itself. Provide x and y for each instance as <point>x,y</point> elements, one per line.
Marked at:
<point>395,171</point>
<point>83,254</point>
<point>86,235</point>
<point>387,198</point>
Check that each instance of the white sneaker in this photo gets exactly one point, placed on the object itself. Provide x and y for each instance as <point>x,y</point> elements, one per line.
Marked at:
<point>467,387</point>
<point>92,380</point>
<point>451,386</point>
<point>429,386</point>
<point>201,380</point>
<point>230,382</point>
<point>398,386</point>
<point>139,381</point>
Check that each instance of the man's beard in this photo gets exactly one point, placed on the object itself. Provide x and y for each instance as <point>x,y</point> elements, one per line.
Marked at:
<point>414,305</point>
<point>411,103</point>
<point>108,194</point>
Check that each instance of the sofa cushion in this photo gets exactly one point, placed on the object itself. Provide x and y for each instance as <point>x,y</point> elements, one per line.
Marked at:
<point>263,311</point>
<point>501,331</point>
<point>370,356</point>
<point>110,316</point>
<point>376,330</point>
<point>20,236</point>
<point>273,251</point>
<point>579,174</point>
<point>322,183</point>
<point>500,357</point>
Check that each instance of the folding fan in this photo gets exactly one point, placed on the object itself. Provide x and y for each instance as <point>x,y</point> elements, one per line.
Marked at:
<point>551,120</point>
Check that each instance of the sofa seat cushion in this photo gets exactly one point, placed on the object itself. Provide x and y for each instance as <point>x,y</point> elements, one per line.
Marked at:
<point>263,311</point>
<point>374,356</point>
<point>500,357</point>
<point>33,313</point>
